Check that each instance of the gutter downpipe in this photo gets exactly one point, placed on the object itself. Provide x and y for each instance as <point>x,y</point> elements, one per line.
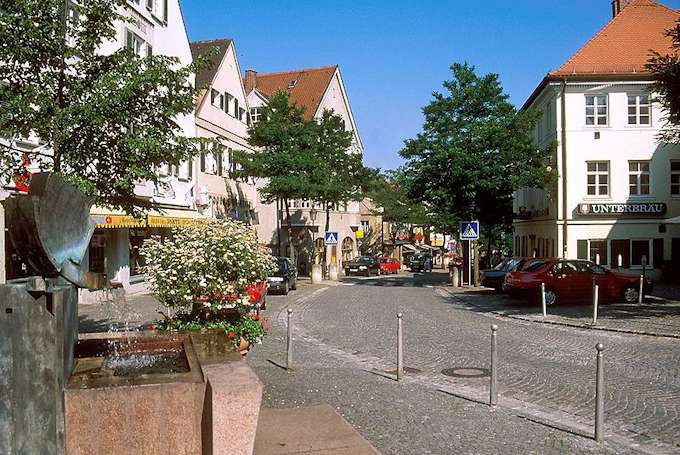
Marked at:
<point>563,140</point>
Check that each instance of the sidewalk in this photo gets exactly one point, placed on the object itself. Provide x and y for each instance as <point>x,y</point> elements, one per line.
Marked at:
<point>656,316</point>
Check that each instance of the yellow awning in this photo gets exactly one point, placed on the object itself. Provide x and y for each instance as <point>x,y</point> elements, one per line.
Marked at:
<point>114,219</point>
<point>174,218</point>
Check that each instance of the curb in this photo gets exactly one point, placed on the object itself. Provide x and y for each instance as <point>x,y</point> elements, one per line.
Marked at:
<point>568,324</point>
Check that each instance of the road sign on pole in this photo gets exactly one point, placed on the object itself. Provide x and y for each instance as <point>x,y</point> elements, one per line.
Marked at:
<point>331,238</point>
<point>469,230</point>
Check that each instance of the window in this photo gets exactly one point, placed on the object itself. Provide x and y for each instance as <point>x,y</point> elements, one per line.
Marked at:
<point>184,170</point>
<point>638,178</point>
<point>159,8</point>
<point>218,163</point>
<point>227,102</point>
<point>216,99</point>
<point>255,114</point>
<point>134,42</point>
<point>598,178</point>
<point>638,249</point>
<point>675,178</point>
<point>598,252</point>
<point>638,110</point>
<point>596,110</point>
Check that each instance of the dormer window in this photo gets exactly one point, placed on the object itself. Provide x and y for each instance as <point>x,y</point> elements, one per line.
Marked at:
<point>292,83</point>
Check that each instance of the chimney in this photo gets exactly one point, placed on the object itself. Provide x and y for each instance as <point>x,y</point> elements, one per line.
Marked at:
<point>618,5</point>
<point>250,81</point>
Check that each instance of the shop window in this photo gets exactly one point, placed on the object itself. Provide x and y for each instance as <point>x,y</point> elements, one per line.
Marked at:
<point>598,247</point>
<point>620,251</point>
<point>137,237</point>
<point>638,249</point>
<point>97,253</point>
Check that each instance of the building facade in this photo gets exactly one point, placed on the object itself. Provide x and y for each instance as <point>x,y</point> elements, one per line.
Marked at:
<point>315,89</point>
<point>618,189</point>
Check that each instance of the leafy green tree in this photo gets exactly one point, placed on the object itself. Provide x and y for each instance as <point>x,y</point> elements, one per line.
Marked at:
<point>475,150</point>
<point>103,121</point>
<point>338,170</point>
<point>284,155</point>
<point>666,71</point>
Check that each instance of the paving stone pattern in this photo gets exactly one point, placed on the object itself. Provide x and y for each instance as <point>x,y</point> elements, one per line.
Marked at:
<point>345,344</point>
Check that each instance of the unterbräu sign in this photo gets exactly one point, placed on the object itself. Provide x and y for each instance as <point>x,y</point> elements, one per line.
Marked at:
<point>628,208</point>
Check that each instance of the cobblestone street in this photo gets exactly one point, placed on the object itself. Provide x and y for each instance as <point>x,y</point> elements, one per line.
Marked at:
<point>346,344</point>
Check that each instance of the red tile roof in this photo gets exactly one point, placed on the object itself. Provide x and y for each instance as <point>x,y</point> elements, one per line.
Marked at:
<point>623,46</point>
<point>307,90</point>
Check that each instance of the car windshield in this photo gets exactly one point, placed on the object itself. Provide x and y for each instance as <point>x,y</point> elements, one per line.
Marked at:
<point>281,264</point>
<point>533,266</point>
<point>503,265</point>
<point>364,260</point>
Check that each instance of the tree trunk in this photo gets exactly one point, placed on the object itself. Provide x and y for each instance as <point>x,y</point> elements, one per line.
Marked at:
<point>488,252</point>
<point>289,228</point>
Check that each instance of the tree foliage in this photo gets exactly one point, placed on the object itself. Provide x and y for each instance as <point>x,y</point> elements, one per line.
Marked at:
<point>666,71</point>
<point>103,121</point>
<point>475,150</point>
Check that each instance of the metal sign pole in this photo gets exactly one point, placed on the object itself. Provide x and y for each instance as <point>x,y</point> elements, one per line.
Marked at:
<point>469,263</point>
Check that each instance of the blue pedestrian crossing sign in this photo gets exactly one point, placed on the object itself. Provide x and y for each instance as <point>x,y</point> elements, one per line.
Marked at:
<point>331,238</point>
<point>469,230</point>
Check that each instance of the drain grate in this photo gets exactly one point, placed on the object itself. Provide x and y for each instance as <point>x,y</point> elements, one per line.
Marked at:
<point>466,372</point>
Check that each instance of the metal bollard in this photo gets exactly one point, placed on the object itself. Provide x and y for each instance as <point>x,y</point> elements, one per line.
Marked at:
<point>596,298</point>
<point>543,305</point>
<point>400,350</point>
<point>642,283</point>
<point>493,386</point>
<point>599,395</point>
<point>289,343</point>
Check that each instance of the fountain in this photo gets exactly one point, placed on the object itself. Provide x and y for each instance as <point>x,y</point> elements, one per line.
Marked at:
<point>120,392</point>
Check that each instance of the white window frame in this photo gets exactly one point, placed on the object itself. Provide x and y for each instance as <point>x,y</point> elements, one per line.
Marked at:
<point>596,105</point>
<point>676,174</point>
<point>635,108</point>
<point>637,174</point>
<point>255,114</point>
<point>598,174</point>
<point>228,97</point>
<point>138,43</point>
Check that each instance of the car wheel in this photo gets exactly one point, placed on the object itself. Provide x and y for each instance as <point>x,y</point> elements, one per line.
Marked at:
<point>285,288</point>
<point>631,294</point>
<point>550,297</point>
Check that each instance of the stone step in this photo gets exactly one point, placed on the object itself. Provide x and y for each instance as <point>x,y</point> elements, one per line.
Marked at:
<point>313,430</point>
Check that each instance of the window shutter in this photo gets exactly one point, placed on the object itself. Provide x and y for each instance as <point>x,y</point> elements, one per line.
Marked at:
<point>165,10</point>
<point>202,162</point>
<point>236,107</point>
<point>582,249</point>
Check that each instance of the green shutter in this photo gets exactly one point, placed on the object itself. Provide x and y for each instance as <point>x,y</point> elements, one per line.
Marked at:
<point>582,249</point>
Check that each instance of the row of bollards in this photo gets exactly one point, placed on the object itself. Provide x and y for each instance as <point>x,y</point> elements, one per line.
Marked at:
<point>493,372</point>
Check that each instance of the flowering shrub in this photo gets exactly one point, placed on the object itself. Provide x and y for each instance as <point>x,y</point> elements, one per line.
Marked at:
<point>206,268</point>
<point>249,327</point>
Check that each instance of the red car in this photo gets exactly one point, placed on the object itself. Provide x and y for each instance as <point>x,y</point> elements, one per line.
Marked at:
<point>572,280</point>
<point>389,265</point>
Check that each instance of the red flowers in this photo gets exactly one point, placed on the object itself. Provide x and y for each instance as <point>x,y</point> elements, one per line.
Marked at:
<point>231,335</point>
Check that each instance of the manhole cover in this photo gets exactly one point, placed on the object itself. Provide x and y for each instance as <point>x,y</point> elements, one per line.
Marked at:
<point>466,372</point>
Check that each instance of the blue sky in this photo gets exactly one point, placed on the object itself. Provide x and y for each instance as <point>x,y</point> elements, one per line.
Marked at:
<point>394,54</point>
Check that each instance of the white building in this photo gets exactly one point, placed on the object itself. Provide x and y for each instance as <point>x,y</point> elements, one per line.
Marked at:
<point>222,113</point>
<point>619,188</point>
<point>315,89</point>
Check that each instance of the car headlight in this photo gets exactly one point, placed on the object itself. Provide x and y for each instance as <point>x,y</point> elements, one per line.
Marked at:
<point>276,279</point>
<point>362,267</point>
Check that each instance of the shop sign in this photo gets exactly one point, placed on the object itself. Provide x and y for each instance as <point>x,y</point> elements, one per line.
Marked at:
<point>360,234</point>
<point>627,208</point>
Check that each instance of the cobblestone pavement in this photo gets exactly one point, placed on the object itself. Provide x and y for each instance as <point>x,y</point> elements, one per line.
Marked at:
<point>346,341</point>
<point>655,316</point>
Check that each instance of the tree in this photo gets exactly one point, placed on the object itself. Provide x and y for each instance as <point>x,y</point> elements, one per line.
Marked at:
<point>666,71</point>
<point>103,121</point>
<point>475,150</point>
<point>338,171</point>
<point>284,154</point>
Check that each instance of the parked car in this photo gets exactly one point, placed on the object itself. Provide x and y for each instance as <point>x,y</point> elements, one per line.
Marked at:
<point>284,278</point>
<point>363,265</point>
<point>495,277</point>
<point>389,265</point>
<point>417,262</point>
<point>572,280</point>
